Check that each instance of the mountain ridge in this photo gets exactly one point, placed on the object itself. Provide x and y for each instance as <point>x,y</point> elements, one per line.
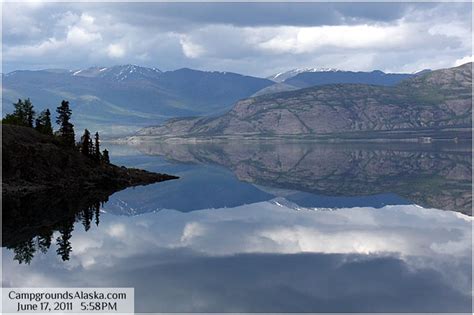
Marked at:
<point>128,96</point>
<point>438,99</point>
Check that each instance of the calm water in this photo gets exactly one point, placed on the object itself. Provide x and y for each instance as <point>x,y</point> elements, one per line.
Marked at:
<point>264,228</point>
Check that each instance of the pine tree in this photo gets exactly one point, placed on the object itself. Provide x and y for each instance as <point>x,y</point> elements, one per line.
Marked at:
<point>44,240</point>
<point>23,114</point>
<point>43,123</point>
<point>97,213</point>
<point>97,147</point>
<point>66,129</point>
<point>24,252</point>
<point>105,157</point>
<point>29,113</point>
<point>63,241</point>
<point>86,143</point>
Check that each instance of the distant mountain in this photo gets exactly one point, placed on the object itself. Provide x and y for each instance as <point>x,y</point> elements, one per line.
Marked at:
<point>313,78</point>
<point>307,77</point>
<point>432,102</point>
<point>120,73</point>
<point>121,99</point>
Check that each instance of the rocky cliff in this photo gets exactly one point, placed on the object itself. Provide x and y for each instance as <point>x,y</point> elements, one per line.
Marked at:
<point>437,101</point>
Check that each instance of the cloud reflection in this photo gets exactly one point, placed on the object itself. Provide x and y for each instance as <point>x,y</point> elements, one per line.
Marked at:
<point>267,257</point>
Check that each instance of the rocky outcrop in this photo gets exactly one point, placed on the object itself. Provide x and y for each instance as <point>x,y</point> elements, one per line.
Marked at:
<point>33,162</point>
<point>437,101</point>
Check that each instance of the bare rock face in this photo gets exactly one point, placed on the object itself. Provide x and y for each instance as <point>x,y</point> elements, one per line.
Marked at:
<point>438,100</point>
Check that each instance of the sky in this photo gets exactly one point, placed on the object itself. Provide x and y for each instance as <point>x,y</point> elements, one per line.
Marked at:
<point>257,39</point>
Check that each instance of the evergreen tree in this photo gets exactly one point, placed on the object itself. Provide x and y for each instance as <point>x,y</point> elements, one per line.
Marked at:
<point>63,241</point>
<point>97,147</point>
<point>44,241</point>
<point>97,213</point>
<point>29,113</point>
<point>43,123</point>
<point>87,216</point>
<point>24,252</point>
<point>66,129</point>
<point>105,157</point>
<point>86,143</point>
<point>91,148</point>
<point>23,114</point>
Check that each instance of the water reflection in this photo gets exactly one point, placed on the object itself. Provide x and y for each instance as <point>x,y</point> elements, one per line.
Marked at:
<point>30,222</point>
<point>428,175</point>
<point>272,256</point>
<point>261,228</point>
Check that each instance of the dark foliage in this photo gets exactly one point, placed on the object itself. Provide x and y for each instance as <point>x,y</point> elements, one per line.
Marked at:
<point>43,123</point>
<point>23,115</point>
<point>86,143</point>
<point>105,157</point>
<point>97,154</point>
<point>66,128</point>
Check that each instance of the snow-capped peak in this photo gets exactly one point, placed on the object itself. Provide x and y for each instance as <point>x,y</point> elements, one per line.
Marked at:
<point>118,73</point>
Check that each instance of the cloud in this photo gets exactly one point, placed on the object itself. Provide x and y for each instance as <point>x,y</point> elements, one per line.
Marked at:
<point>190,49</point>
<point>463,60</point>
<point>249,38</point>
<point>79,36</point>
<point>263,257</point>
<point>115,51</point>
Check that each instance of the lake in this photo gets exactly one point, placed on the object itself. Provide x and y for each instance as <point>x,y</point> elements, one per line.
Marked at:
<point>253,227</point>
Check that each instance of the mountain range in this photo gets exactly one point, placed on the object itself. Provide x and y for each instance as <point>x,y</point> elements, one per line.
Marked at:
<point>432,102</point>
<point>122,99</point>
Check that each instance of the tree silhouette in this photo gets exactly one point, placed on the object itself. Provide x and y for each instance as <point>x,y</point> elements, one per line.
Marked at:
<point>44,241</point>
<point>105,157</point>
<point>24,252</point>
<point>66,129</point>
<point>23,114</point>
<point>29,112</point>
<point>97,213</point>
<point>86,143</point>
<point>97,147</point>
<point>63,243</point>
<point>43,123</point>
<point>87,216</point>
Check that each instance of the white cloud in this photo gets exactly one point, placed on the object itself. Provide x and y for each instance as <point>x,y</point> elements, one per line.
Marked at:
<point>79,36</point>
<point>463,60</point>
<point>116,230</point>
<point>192,230</point>
<point>298,40</point>
<point>115,51</point>
<point>190,49</point>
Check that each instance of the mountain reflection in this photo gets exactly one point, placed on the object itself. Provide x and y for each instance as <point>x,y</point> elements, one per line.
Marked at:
<point>433,176</point>
<point>29,223</point>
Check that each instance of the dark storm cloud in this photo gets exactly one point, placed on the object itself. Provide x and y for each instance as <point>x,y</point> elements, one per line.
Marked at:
<point>265,14</point>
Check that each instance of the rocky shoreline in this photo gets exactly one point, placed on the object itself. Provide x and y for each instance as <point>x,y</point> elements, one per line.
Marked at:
<point>35,163</point>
